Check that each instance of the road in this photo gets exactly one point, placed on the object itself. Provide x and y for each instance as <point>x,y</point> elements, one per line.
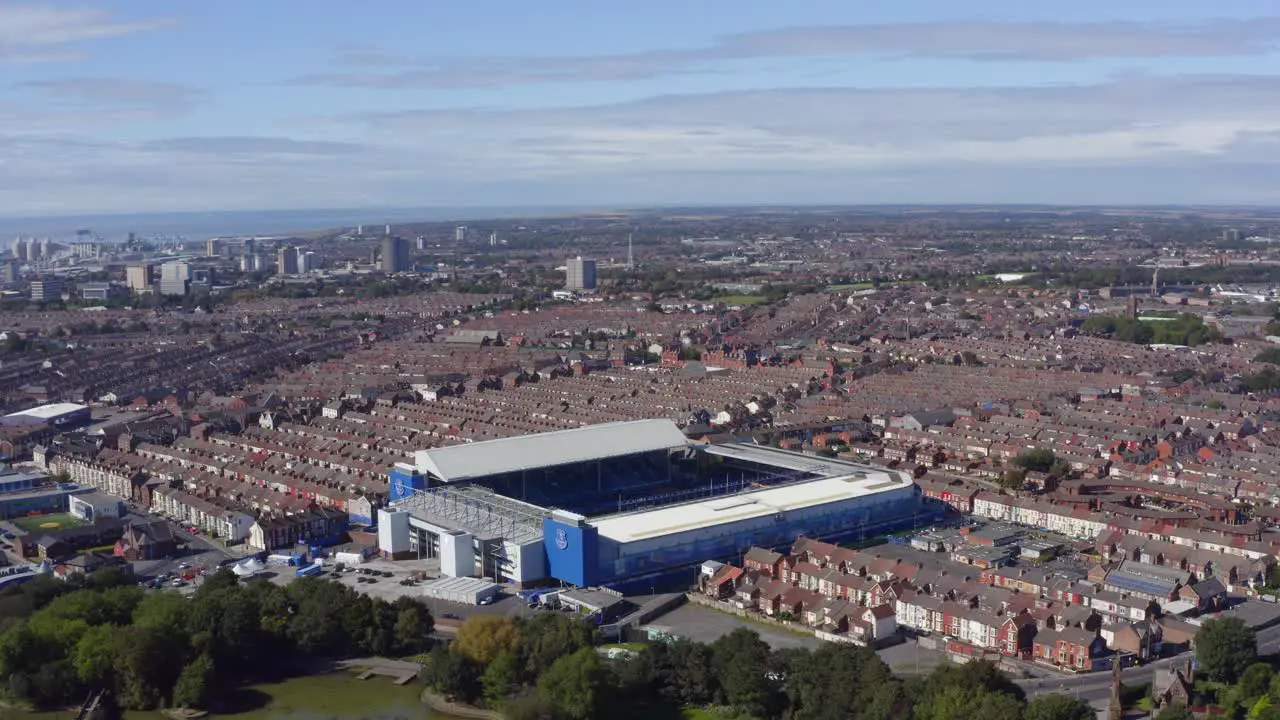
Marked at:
<point>200,549</point>
<point>1096,687</point>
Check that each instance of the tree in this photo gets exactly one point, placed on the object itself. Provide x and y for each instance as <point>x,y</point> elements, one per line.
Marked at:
<point>1012,479</point>
<point>740,660</point>
<point>1254,682</point>
<point>148,664</point>
<point>956,702</point>
<point>548,636</point>
<point>972,690</point>
<point>413,626</point>
<point>1058,707</point>
<point>453,675</point>
<point>573,684</point>
<point>1038,459</point>
<point>1225,648</point>
<point>530,707</point>
<point>825,683</point>
<point>482,637</point>
<point>195,685</point>
<point>94,656</point>
<point>500,678</point>
<point>1175,712</point>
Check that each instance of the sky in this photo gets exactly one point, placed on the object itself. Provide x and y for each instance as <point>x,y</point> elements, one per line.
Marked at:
<point>133,106</point>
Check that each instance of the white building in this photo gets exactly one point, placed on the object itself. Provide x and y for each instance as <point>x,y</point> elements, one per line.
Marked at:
<point>94,506</point>
<point>174,278</point>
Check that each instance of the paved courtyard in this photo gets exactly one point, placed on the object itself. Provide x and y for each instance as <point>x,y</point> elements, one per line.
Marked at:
<point>706,625</point>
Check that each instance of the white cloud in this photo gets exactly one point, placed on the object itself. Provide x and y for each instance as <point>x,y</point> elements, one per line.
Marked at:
<point>1128,120</point>
<point>1133,139</point>
<point>41,32</point>
<point>976,41</point>
<point>116,93</point>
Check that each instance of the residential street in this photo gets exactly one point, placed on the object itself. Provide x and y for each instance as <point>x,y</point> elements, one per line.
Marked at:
<point>1096,687</point>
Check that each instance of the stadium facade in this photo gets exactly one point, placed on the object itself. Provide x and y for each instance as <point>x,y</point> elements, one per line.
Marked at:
<point>626,503</point>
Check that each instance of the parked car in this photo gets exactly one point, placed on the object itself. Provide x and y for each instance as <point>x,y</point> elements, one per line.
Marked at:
<point>450,616</point>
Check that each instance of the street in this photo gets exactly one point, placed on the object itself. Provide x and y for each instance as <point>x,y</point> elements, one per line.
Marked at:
<point>1096,687</point>
<point>200,550</point>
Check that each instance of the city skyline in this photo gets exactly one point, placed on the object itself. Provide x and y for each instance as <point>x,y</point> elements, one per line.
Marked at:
<point>148,107</point>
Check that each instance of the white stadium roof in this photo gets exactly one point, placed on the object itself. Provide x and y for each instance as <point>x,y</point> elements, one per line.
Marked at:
<point>561,447</point>
<point>49,412</point>
<point>776,457</point>
<point>646,524</point>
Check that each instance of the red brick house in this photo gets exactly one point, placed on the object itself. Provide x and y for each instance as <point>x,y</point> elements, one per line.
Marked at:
<point>1016,635</point>
<point>763,561</point>
<point>1072,647</point>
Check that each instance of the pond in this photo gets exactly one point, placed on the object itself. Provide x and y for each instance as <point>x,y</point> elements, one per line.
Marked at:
<point>337,696</point>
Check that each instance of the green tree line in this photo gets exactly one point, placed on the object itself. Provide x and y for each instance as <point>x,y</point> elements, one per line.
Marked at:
<point>1186,329</point>
<point>546,668</point>
<point>64,640</point>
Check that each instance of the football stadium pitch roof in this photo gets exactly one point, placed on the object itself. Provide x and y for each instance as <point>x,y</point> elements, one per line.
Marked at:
<point>648,524</point>
<point>785,459</point>
<point>550,449</point>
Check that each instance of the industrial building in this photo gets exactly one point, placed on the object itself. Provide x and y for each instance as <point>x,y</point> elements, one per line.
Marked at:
<point>138,277</point>
<point>617,503</point>
<point>463,590</point>
<point>102,291</point>
<point>175,278</point>
<point>56,414</point>
<point>46,289</point>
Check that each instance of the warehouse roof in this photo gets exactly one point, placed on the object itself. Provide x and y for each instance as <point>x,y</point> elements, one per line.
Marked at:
<point>646,524</point>
<point>52,411</point>
<point>562,447</point>
<point>457,586</point>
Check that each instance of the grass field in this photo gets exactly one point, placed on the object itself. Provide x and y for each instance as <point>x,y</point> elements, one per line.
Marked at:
<point>850,287</point>
<point>740,299</point>
<point>635,646</point>
<point>52,521</point>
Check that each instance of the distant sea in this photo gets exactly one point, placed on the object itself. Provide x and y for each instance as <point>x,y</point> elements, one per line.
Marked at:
<point>199,225</point>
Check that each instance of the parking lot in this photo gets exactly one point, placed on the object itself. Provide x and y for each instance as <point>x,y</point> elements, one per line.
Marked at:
<point>707,625</point>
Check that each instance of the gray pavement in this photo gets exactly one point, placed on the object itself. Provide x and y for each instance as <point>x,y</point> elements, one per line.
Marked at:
<point>705,624</point>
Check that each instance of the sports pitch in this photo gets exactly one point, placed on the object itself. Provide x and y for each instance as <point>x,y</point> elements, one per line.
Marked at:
<point>52,521</point>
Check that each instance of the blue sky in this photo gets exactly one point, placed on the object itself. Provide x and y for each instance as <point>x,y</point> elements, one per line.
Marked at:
<point>143,106</point>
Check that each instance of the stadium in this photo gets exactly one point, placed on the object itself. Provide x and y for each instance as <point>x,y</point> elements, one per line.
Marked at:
<point>625,503</point>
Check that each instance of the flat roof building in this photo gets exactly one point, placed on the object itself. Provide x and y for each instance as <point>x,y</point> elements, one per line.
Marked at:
<point>462,590</point>
<point>55,413</point>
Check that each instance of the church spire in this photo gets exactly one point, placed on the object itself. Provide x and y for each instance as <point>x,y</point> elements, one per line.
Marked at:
<point>1115,710</point>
